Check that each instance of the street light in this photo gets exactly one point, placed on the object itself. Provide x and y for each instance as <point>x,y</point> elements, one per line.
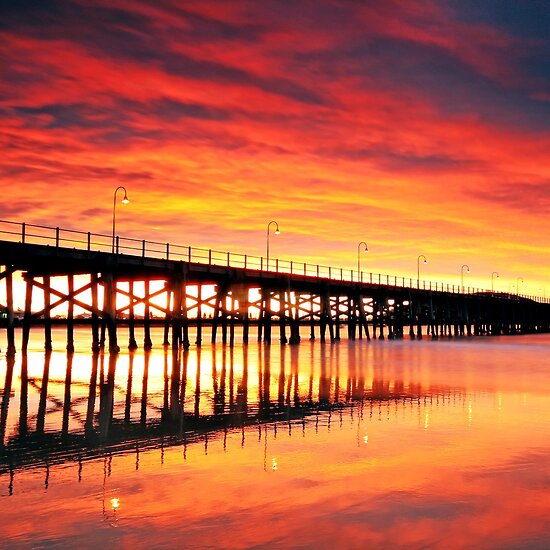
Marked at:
<point>518,280</point>
<point>462,275</point>
<point>418,268</point>
<point>267,240</point>
<point>359,258</point>
<point>125,200</point>
<point>493,280</point>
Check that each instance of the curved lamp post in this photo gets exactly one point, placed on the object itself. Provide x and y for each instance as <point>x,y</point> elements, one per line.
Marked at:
<point>359,258</point>
<point>493,280</point>
<point>267,239</point>
<point>462,275</point>
<point>418,268</point>
<point>125,200</point>
<point>518,280</point>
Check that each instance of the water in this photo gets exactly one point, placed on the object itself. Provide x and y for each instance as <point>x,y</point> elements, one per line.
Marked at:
<point>352,445</point>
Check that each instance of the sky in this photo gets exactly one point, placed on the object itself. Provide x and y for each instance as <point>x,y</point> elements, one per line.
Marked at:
<point>418,127</point>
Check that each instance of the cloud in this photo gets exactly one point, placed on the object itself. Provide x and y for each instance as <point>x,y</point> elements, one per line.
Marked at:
<point>359,119</point>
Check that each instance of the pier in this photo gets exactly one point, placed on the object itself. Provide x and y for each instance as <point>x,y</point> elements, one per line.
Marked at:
<point>219,291</point>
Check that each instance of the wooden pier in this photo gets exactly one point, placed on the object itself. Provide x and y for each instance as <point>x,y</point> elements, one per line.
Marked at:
<point>283,300</point>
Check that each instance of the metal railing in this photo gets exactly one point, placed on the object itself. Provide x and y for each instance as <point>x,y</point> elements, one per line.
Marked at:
<point>92,242</point>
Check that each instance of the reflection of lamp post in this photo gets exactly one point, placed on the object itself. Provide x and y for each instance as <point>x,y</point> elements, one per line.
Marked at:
<point>125,200</point>
<point>493,280</point>
<point>359,258</point>
<point>267,240</point>
<point>518,280</point>
<point>418,268</point>
<point>462,275</point>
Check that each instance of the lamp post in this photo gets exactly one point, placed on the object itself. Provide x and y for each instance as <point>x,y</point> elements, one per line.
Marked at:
<point>418,268</point>
<point>267,239</point>
<point>462,275</point>
<point>493,280</point>
<point>518,280</point>
<point>125,200</point>
<point>359,258</point>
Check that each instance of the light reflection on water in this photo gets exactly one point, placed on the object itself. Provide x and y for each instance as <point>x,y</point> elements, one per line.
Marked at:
<point>355,444</point>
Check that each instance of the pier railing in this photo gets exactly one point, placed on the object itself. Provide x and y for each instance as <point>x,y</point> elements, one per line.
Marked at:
<point>80,240</point>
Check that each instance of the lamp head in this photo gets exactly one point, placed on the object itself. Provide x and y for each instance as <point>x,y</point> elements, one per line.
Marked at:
<point>425,261</point>
<point>468,270</point>
<point>125,200</point>
<point>277,232</point>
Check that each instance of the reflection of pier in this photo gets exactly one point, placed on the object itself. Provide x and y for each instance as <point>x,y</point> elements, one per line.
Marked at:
<point>107,423</point>
<point>203,287</point>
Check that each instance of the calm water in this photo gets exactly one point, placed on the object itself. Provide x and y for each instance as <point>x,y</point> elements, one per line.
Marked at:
<point>352,445</point>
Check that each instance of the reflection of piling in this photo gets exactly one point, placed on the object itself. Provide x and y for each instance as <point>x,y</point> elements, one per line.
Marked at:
<point>24,398</point>
<point>41,417</point>
<point>6,398</point>
<point>67,395</point>
<point>89,425</point>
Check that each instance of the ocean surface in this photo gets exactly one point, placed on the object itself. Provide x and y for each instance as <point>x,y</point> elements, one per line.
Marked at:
<point>381,444</point>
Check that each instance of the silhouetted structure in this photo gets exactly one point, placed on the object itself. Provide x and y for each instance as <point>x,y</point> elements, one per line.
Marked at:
<point>291,295</point>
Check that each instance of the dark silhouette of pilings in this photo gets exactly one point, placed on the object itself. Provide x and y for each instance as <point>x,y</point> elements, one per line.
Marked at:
<point>286,303</point>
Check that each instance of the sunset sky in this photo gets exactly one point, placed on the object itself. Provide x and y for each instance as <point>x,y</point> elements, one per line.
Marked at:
<point>419,127</point>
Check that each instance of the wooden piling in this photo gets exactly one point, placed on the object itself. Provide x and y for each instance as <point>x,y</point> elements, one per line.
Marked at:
<point>95,318</point>
<point>147,342</point>
<point>109,311</point>
<point>282,316</point>
<point>10,352</point>
<point>28,313</point>
<point>198,340</point>
<point>70,314</point>
<point>132,344</point>
<point>47,315</point>
<point>167,319</point>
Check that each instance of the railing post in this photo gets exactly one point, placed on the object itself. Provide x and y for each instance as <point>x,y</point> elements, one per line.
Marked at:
<point>341,274</point>
<point>23,226</point>
<point>317,270</point>
<point>190,253</point>
<point>89,241</point>
<point>228,262</point>
<point>291,267</point>
<point>262,263</point>
<point>277,265</point>
<point>57,237</point>
<point>117,240</point>
<point>210,257</point>
<point>245,261</point>
<point>329,272</point>
<point>167,251</point>
<point>143,248</point>
<point>305,269</point>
